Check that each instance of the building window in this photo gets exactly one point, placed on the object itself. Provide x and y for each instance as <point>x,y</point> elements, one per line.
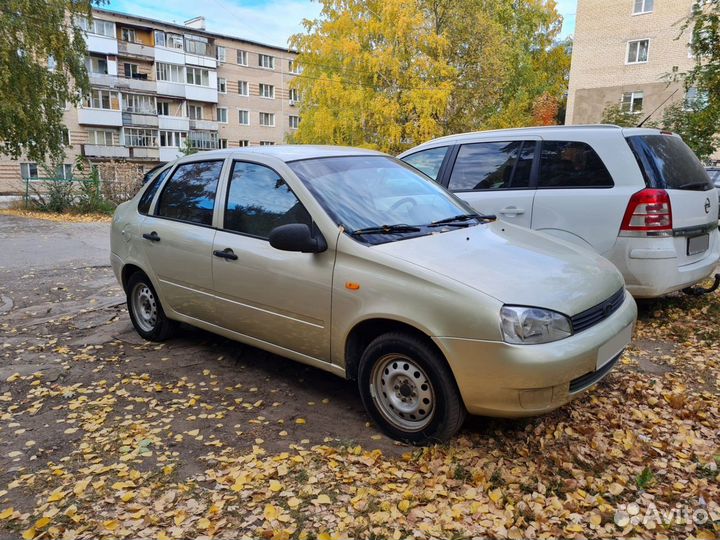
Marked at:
<point>637,51</point>
<point>242,58</point>
<point>642,6</point>
<point>222,115</point>
<point>65,136</point>
<point>632,102</point>
<point>242,143</point>
<point>294,68</point>
<point>198,76</point>
<point>266,61</point>
<point>136,103</point>
<point>174,41</point>
<point>195,112</point>
<point>97,65</point>
<point>222,143</point>
<point>221,54</point>
<point>173,139</point>
<point>128,34</point>
<point>267,119</point>
<point>159,38</point>
<point>267,143</point>
<point>267,91</point>
<point>243,88</point>
<point>28,170</point>
<point>170,73</point>
<point>294,122</point>
<point>103,137</point>
<point>244,117</point>
<point>222,85</point>
<point>102,99</point>
<point>101,28</point>
<point>131,71</point>
<point>163,108</point>
<point>695,99</point>
<point>197,45</point>
<point>140,137</point>
<point>204,140</point>
<point>294,95</point>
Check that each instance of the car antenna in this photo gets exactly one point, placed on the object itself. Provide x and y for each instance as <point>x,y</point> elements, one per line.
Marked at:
<point>656,108</point>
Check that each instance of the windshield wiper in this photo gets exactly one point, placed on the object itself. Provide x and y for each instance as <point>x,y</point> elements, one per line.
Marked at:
<point>460,220</point>
<point>386,229</point>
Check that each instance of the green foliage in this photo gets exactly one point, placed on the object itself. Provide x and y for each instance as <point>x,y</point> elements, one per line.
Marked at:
<point>187,148</point>
<point>614,114</point>
<point>33,96</point>
<point>645,478</point>
<point>390,74</point>
<point>698,125</point>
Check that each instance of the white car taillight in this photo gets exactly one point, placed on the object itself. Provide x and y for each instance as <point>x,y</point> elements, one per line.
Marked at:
<point>648,214</point>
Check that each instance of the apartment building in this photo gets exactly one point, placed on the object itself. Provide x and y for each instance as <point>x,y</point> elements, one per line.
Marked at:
<point>158,86</point>
<point>623,52</point>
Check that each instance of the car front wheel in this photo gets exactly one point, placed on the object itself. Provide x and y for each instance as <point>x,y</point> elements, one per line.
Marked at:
<point>146,312</point>
<point>409,390</point>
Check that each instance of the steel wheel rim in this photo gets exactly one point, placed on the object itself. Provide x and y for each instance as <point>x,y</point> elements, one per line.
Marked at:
<point>402,392</point>
<point>144,307</point>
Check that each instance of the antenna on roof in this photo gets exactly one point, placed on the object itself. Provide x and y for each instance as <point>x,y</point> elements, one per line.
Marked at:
<point>656,108</point>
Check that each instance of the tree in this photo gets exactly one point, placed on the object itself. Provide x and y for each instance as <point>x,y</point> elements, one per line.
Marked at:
<point>616,115</point>
<point>392,74</point>
<point>545,110</point>
<point>42,68</point>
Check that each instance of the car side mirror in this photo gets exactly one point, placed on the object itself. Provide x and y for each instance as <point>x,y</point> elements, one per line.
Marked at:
<point>298,237</point>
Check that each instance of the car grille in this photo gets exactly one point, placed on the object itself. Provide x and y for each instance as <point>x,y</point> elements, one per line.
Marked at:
<point>587,380</point>
<point>589,317</point>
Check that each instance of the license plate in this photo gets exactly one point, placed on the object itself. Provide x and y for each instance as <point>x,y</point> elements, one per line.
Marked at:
<point>612,348</point>
<point>698,244</point>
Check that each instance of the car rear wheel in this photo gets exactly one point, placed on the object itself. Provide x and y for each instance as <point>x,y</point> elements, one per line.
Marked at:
<point>409,390</point>
<point>146,312</point>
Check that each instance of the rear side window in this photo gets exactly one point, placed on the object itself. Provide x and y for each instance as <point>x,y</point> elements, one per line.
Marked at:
<point>571,164</point>
<point>189,195</point>
<point>668,163</point>
<point>493,165</point>
<point>147,197</point>
<point>428,161</point>
<point>259,200</point>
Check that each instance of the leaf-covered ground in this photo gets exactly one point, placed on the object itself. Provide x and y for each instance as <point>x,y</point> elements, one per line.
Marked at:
<point>103,435</point>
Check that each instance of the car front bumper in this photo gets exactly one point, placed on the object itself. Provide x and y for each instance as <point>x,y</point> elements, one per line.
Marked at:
<point>505,380</point>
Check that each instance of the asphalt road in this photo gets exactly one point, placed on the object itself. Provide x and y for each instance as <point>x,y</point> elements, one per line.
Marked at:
<point>39,244</point>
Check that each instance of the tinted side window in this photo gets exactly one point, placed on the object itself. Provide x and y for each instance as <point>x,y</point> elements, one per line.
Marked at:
<point>570,164</point>
<point>259,200</point>
<point>428,161</point>
<point>491,165</point>
<point>147,197</point>
<point>189,195</point>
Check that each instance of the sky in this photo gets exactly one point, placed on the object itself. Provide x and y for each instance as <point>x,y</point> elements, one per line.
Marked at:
<point>265,21</point>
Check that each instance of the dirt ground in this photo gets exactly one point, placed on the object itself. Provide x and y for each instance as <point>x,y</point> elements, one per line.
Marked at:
<point>103,434</point>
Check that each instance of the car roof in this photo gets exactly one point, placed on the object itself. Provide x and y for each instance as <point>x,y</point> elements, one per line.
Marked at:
<point>286,152</point>
<point>551,132</point>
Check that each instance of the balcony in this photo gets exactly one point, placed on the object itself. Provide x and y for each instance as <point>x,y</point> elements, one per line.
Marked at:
<point>103,79</point>
<point>175,123</point>
<point>203,125</point>
<point>127,48</point>
<point>100,117</point>
<point>203,93</point>
<point>102,44</point>
<point>145,152</point>
<point>202,61</point>
<point>147,118</point>
<point>169,56</point>
<point>105,151</point>
<point>165,88</point>
<point>136,83</point>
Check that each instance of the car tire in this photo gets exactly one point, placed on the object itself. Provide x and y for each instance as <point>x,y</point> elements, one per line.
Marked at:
<point>145,309</point>
<point>409,391</point>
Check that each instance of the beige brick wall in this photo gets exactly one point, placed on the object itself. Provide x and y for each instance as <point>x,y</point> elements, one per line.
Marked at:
<point>599,73</point>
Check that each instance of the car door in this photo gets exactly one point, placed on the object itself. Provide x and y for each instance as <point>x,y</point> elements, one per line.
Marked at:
<point>278,297</point>
<point>178,238</point>
<point>495,177</point>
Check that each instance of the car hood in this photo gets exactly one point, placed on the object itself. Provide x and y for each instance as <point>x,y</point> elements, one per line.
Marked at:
<point>514,265</point>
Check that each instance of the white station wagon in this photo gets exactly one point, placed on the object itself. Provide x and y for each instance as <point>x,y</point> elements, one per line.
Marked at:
<point>639,197</point>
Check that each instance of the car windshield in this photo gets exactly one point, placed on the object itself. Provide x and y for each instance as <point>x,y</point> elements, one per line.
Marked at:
<point>380,199</point>
<point>668,163</point>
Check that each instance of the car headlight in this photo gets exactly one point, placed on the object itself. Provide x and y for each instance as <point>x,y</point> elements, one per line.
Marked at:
<point>531,325</point>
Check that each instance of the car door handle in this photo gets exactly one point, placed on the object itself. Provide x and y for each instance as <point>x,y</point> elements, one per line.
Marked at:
<point>226,253</point>
<point>512,210</point>
<point>153,236</point>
